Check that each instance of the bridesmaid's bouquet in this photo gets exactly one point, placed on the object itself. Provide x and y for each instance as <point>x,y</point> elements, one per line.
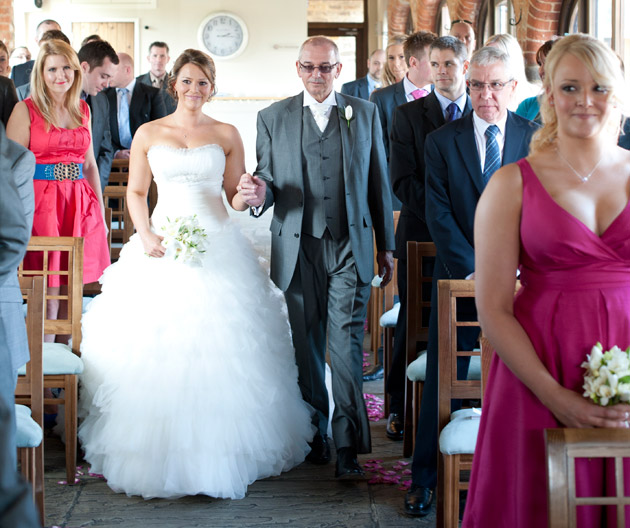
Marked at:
<point>185,240</point>
<point>607,377</point>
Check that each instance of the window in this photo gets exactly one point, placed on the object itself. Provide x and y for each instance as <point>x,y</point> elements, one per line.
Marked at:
<point>443,20</point>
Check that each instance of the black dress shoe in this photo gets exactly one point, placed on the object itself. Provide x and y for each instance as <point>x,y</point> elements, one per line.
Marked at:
<point>373,373</point>
<point>320,450</point>
<point>347,464</point>
<point>418,501</point>
<point>395,426</point>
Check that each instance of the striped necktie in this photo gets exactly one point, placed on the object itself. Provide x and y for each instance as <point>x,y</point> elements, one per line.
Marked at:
<point>124,128</point>
<point>493,154</point>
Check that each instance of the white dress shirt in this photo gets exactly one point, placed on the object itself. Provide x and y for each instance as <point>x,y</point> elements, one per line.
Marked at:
<point>480,136</point>
<point>410,87</point>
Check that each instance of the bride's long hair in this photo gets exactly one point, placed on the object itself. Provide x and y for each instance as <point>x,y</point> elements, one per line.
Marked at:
<point>199,59</point>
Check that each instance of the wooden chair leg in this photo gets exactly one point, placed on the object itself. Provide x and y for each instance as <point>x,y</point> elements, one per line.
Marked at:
<point>448,488</point>
<point>71,425</point>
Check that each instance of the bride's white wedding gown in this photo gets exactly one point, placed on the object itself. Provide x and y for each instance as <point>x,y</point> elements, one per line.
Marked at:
<point>190,383</point>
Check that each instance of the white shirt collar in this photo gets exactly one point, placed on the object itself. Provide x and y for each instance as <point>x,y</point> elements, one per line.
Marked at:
<point>309,100</point>
<point>445,101</point>
<point>481,125</point>
<point>410,87</point>
<point>131,85</point>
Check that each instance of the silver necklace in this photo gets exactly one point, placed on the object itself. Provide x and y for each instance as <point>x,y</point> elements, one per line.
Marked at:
<point>583,179</point>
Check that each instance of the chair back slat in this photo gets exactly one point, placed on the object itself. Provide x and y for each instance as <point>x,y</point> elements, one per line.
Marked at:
<point>73,248</point>
<point>563,447</point>
<point>32,384</point>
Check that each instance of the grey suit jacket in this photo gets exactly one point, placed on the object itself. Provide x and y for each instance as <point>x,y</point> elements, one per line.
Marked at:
<point>386,100</point>
<point>8,99</point>
<point>169,102</point>
<point>101,136</point>
<point>368,200</point>
<point>358,88</point>
<point>21,73</point>
<point>454,183</point>
<point>17,166</point>
<point>23,91</point>
<point>146,105</point>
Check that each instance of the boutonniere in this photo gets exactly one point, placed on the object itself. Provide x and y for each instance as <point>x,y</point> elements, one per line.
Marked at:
<point>347,113</point>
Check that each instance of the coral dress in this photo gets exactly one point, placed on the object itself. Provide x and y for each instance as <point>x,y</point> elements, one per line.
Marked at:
<point>576,291</point>
<point>69,207</point>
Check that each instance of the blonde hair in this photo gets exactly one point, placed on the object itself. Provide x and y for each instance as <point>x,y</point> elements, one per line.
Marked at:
<point>39,91</point>
<point>509,45</point>
<point>388,77</point>
<point>603,65</point>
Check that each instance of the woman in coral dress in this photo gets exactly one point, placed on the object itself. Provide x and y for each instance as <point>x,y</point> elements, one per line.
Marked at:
<point>562,217</point>
<point>54,123</point>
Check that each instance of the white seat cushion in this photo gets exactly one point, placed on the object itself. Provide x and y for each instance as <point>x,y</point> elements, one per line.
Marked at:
<point>417,369</point>
<point>28,433</point>
<point>460,435</point>
<point>390,317</point>
<point>58,359</point>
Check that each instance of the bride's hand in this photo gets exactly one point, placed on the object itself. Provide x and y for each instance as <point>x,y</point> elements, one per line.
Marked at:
<point>152,245</point>
<point>252,190</point>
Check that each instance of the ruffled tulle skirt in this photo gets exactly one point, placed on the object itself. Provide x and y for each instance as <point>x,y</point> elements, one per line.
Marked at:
<point>190,383</point>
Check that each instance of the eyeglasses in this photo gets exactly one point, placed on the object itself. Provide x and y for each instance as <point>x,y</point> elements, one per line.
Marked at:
<point>495,86</point>
<point>323,68</point>
<point>453,22</point>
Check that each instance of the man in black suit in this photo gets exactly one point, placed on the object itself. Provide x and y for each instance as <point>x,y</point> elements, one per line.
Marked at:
<point>8,99</point>
<point>157,76</point>
<point>410,126</point>
<point>98,64</point>
<point>140,105</point>
<point>364,86</point>
<point>21,73</point>
<point>460,157</point>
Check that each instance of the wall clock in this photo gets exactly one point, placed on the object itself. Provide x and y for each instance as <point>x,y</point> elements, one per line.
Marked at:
<point>224,35</point>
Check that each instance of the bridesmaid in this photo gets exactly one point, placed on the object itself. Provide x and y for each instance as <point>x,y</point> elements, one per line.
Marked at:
<point>562,217</point>
<point>54,123</point>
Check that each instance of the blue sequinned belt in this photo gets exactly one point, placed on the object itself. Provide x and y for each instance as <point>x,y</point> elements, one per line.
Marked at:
<point>58,171</point>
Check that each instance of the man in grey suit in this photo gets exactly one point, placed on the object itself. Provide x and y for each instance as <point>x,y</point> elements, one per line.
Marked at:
<point>98,64</point>
<point>364,86</point>
<point>460,158</point>
<point>17,166</point>
<point>321,164</point>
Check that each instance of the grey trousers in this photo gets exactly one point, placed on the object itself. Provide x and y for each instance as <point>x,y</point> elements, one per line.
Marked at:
<point>327,304</point>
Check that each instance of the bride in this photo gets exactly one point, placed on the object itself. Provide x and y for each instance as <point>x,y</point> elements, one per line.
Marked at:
<point>190,383</point>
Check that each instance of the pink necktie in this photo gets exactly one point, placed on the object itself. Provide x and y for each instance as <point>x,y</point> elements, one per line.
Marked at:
<point>419,93</point>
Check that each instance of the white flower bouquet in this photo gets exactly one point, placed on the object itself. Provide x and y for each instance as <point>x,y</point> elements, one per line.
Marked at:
<point>607,377</point>
<point>185,240</point>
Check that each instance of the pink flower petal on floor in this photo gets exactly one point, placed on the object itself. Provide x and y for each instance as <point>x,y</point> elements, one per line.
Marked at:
<point>375,480</point>
<point>406,472</point>
<point>62,482</point>
<point>403,462</point>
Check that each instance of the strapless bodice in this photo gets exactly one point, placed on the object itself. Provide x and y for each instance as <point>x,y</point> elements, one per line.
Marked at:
<point>189,182</point>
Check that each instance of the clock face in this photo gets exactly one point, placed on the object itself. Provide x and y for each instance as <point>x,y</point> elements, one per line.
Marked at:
<point>224,35</point>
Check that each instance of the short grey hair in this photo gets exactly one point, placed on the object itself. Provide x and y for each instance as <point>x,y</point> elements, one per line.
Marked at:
<point>320,40</point>
<point>489,55</point>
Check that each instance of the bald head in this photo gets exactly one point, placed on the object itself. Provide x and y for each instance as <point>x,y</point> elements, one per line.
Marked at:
<point>124,74</point>
<point>464,32</point>
<point>44,26</point>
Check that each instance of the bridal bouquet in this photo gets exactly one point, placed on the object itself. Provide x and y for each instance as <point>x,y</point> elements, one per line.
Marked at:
<point>184,239</point>
<point>607,377</point>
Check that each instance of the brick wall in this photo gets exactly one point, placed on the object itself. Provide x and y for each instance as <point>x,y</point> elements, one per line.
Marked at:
<point>6,23</point>
<point>539,19</point>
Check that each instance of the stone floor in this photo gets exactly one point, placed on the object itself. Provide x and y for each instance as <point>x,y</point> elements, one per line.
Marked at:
<point>307,496</point>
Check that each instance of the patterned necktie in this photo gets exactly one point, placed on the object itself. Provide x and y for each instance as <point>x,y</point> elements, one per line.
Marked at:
<point>493,155</point>
<point>419,93</point>
<point>319,114</point>
<point>452,112</point>
<point>124,129</point>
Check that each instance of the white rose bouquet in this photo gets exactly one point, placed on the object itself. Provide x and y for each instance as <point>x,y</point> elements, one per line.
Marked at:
<point>185,240</point>
<point>607,377</point>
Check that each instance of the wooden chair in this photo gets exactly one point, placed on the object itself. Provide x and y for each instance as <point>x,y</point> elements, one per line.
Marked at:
<point>418,308</point>
<point>115,198</point>
<point>453,459</point>
<point>563,446</point>
<point>381,301</point>
<point>30,423</point>
<point>62,363</point>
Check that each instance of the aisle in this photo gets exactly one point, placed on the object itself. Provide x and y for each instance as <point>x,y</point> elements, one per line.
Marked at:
<point>308,496</point>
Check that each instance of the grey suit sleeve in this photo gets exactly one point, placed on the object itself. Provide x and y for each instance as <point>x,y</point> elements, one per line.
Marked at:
<point>379,193</point>
<point>264,168</point>
<point>455,252</point>
<point>16,205</point>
